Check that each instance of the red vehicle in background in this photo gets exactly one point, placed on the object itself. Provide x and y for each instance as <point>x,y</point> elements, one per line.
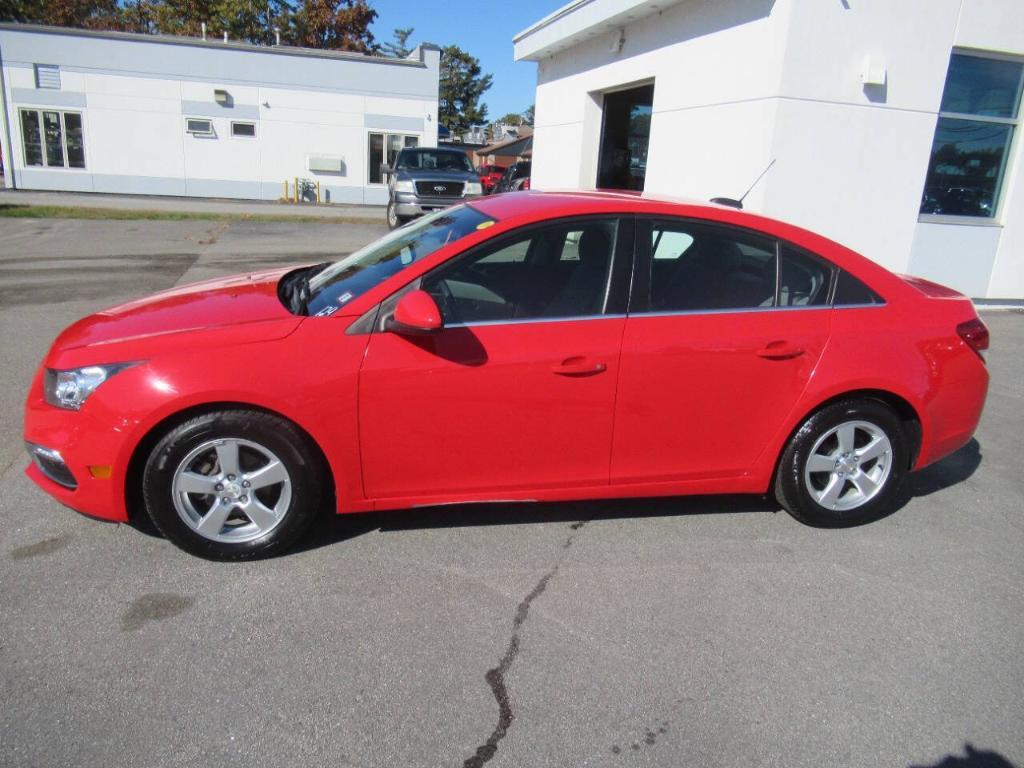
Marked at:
<point>490,175</point>
<point>524,346</point>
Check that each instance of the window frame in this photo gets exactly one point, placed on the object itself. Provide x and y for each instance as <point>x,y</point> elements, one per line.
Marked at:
<point>248,123</point>
<point>61,113</point>
<point>640,294</point>
<point>616,289</point>
<point>995,220</point>
<point>418,137</point>
<point>211,132</point>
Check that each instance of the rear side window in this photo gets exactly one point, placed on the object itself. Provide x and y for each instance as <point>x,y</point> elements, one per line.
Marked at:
<point>803,279</point>
<point>699,267</point>
<point>852,292</point>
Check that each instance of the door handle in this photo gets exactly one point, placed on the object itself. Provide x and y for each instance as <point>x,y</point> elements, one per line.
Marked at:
<point>780,350</point>
<point>578,366</point>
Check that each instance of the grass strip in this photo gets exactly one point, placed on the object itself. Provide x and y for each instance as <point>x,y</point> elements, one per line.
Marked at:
<point>14,211</point>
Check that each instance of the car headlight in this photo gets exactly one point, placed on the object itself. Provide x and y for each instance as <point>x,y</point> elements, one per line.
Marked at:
<point>474,188</point>
<point>404,186</point>
<point>69,389</point>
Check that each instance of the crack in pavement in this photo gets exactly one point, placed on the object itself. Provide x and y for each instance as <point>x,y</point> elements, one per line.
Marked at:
<point>496,677</point>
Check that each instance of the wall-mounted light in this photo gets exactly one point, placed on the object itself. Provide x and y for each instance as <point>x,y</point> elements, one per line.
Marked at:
<point>221,96</point>
<point>618,40</point>
<point>873,71</point>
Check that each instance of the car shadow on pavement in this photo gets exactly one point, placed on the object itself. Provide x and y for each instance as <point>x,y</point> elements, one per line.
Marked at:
<point>973,758</point>
<point>333,529</point>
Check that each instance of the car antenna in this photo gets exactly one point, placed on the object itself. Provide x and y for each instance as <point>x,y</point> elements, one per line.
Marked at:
<point>739,203</point>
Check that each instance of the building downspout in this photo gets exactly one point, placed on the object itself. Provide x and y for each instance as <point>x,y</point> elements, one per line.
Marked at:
<point>9,180</point>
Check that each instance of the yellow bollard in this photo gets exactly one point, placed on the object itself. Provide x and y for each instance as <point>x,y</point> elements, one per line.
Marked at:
<point>285,190</point>
<point>318,191</point>
<point>296,189</point>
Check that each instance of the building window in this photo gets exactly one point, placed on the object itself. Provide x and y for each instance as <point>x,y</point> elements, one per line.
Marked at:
<point>52,139</point>
<point>245,130</point>
<point>47,76</point>
<point>198,127</point>
<point>376,156</point>
<point>979,114</point>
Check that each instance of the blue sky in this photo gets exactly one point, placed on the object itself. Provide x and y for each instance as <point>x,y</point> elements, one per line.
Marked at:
<point>484,29</point>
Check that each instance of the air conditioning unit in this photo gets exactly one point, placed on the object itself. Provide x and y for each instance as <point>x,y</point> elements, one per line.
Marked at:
<point>326,164</point>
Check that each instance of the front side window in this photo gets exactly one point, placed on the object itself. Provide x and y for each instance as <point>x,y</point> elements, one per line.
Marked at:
<point>559,271</point>
<point>342,281</point>
<point>52,139</point>
<point>977,119</point>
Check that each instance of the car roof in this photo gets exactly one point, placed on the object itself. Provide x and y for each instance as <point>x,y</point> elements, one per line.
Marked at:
<point>580,202</point>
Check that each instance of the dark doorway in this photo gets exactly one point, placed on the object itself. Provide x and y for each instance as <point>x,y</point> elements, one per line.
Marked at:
<point>624,137</point>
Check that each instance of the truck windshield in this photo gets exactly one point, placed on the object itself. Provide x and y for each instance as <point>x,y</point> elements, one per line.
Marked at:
<point>432,159</point>
<point>338,283</point>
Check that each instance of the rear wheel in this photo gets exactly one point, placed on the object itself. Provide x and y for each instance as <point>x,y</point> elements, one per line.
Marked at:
<point>845,465</point>
<point>233,485</point>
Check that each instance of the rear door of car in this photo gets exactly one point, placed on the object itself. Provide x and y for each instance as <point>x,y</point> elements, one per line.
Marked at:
<point>517,390</point>
<point>725,328</point>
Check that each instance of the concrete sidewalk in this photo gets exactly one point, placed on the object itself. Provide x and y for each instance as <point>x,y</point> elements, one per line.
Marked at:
<point>367,213</point>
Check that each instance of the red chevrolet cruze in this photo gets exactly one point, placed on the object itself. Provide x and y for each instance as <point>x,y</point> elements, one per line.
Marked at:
<point>525,347</point>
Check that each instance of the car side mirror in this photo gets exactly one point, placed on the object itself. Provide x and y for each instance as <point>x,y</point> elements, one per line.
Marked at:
<point>415,314</point>
<point>386,170</point>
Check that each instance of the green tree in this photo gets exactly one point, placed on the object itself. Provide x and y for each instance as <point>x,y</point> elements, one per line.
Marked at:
<point>335,24</point>
<point>398,48</point>
<point>462,85</point>
<point>512,118</point>
<point>529,113</point>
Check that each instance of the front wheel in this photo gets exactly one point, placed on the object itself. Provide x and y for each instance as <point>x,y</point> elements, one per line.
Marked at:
<point>394,220</point>
<point>232,485</point>
<point>844,466</point>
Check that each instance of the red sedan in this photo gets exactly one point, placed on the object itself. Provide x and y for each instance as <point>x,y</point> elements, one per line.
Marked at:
<point>525,347</point>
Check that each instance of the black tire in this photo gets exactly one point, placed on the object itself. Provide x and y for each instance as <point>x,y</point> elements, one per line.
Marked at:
<point>792,484</point>
<point>266,431</point>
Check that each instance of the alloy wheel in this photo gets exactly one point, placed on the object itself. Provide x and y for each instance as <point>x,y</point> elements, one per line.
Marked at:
<point>848,465</point>
<point>231,490</point>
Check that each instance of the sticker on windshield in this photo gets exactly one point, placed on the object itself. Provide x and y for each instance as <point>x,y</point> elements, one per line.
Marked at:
<point>346,296</point>
<point>327,311</point>
<point>485,224</point>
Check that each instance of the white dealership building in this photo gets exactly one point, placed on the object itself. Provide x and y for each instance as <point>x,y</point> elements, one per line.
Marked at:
<point>149,114</point>
<point>894,125</point>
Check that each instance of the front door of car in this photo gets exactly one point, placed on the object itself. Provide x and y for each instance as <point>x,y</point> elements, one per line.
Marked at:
<point>516,391</point>
<point>724,332</point>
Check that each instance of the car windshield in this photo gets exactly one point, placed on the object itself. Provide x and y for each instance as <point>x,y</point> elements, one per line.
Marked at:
<point>432,159</point>
<point>344,280</point>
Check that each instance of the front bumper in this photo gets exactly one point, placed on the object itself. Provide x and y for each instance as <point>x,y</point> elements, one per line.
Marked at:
<point>409,204</point>
<point>78,459</point>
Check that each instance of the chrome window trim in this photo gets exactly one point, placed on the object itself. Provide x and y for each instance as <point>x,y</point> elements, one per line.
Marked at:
<point>525,320</point>
<point>677,313</point>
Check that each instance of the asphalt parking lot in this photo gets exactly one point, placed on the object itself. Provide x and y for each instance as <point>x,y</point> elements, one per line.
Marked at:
<point>679,632</point>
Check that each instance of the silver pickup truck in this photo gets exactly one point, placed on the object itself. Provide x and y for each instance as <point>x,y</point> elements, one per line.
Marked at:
<point>425,179</point>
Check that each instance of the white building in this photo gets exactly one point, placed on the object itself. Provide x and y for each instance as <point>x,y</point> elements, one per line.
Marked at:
<point>894,124</point>
<point>144,114</point>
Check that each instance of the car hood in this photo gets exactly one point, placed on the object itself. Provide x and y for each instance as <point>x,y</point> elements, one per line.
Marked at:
<point>223,303</point>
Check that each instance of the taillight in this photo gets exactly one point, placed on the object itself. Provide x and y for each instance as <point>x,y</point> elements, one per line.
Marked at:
<point>975,335</point>
<point>526,184</point>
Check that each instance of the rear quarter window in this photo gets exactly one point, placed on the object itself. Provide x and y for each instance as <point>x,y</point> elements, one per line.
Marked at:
<point>851,292</point>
